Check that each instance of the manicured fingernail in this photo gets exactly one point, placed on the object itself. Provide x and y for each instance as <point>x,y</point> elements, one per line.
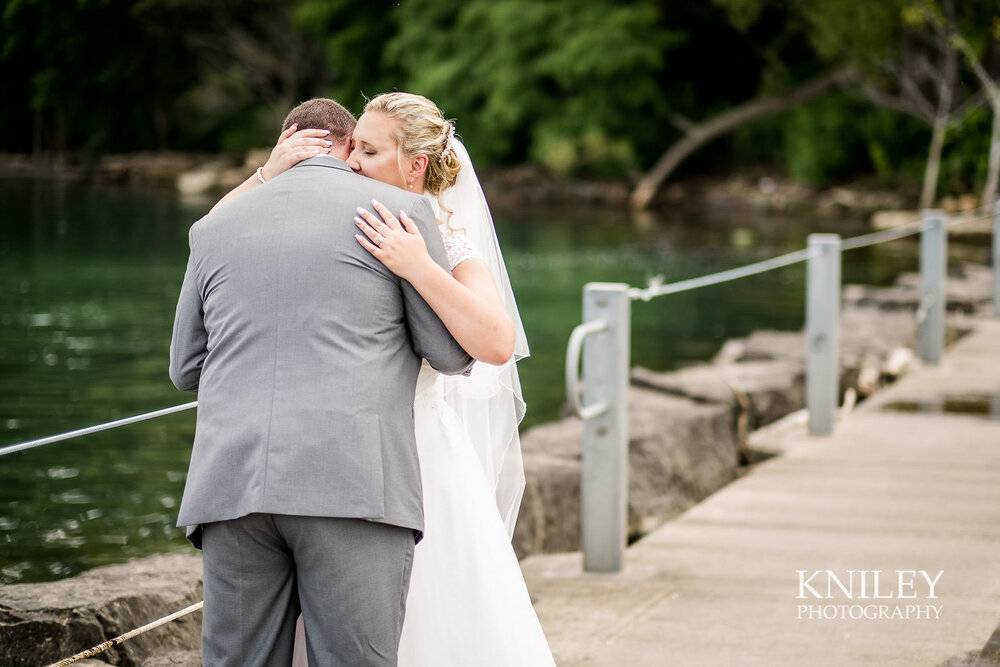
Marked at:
<point>329,143</point>
<point>359,221</point>
<point>326,132</point>
<point>358,237</point>
<point>361,210</point>
<point>376,202</point>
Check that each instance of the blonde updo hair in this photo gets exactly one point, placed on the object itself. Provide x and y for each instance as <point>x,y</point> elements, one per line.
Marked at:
<point>421,128</point>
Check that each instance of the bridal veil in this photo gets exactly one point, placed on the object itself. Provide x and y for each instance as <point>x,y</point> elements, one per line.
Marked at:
<point>489,400</point>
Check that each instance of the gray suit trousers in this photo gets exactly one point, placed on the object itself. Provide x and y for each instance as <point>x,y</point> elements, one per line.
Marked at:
<point>349,577</point>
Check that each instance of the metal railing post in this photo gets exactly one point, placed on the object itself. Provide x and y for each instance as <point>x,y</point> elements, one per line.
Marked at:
<point>996,258</point>
<point>933,269</point>
<point>822,333</point>
<point>604,483</point>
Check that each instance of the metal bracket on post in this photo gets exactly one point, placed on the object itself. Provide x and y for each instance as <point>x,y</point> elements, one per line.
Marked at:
<point>996,258</point>
<point>822,332</point>
<point>604,340</point>
<point>933,270</point>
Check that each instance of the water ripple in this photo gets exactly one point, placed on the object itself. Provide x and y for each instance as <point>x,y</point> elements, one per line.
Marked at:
<point>71,497</point>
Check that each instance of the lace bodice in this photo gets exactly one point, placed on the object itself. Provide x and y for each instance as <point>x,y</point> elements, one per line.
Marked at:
<point>456,241</point>
<point>457,245</point>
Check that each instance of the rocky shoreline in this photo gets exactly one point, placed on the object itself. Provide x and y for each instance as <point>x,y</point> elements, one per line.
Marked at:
<point>194,174</point>
<point>689,435</point>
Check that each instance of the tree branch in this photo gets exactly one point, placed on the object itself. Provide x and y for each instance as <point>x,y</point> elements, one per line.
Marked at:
<point>701,133</point>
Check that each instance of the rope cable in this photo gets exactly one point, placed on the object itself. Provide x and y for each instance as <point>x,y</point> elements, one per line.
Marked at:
<point>723,276</point>
<point>120,639</point>
<point>21,446</point>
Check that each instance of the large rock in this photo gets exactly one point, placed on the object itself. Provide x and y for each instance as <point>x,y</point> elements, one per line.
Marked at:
<point>198,181</point>
<point>968,287</point>
<point>175,659</point>
<point>549,518</point>
<point>157,169</point>
<point>44,623</point>
<point>866,333</point>
<point>771,388</point>
<point>680,451</point>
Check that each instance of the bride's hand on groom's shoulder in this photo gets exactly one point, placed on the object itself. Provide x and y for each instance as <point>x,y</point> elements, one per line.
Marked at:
<point>293,146</point>
<point>396,243</point>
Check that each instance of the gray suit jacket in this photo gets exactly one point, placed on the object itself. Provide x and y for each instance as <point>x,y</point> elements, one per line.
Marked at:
<point>304,352</point>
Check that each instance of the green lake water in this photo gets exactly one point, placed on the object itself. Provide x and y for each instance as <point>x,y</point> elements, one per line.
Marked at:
<point>88,282</point>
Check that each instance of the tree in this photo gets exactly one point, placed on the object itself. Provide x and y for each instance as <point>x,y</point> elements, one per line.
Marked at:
<point>943,21</point>
<point>84,75</point>
<point>252,64</point>
<point>698,134</point>
<point>353,36</point>
<point>898,62</point>
<point>530,79</point>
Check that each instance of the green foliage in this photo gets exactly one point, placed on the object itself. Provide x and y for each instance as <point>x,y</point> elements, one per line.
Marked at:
<point>78,76</point>
<point>522,75</point>
<point>858,31</point>
<point>591,153</point>
<point>964,162</point>
<point>583,87</point>
<point>818,143</point>
<point>840,136</point>
<point>878,40</point>
<point>896,146</point>
<point>843,136</point>
<point>353,36</point>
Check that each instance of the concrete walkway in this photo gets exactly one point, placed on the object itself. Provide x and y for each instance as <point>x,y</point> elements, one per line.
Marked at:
<point>890,491</point>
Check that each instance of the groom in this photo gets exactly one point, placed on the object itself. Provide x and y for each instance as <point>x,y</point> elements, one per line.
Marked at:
<point>304,487</point>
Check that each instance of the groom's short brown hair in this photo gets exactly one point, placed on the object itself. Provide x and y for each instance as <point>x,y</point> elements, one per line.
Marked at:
<point>322,113</point>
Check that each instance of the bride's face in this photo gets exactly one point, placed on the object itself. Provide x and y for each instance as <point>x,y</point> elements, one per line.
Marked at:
<point>374,151</point>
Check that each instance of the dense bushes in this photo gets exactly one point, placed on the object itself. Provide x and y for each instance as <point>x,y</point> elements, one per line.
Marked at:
<point>583,87</point>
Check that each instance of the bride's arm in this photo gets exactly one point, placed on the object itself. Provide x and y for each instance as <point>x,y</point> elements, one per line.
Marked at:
<point>292,147</point>
<point>466,300</point>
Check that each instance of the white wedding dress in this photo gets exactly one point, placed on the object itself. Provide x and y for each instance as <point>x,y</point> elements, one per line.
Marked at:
<point>467,602</point>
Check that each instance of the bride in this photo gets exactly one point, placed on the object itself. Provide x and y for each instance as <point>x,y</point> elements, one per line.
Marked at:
<point>467,601</point>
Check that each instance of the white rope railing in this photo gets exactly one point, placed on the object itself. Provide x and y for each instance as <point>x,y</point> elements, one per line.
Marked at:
<point>607,313</point>
<point>121,639</point>
<point>21,446</point>
<point>983,209</point>
<point>957,222</point>
<point>655,290</point>
<point>883,236</point>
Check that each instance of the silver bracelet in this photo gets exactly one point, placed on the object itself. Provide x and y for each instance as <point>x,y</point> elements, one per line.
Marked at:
<point>260,176</point>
